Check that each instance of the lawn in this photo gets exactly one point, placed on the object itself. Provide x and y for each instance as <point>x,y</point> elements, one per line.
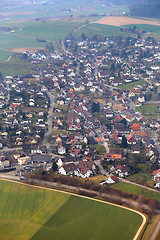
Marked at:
<point>147,108</point>
<point>130,188</point>
<point>142,178</point>
<point>31,213</point>
<point>100,149</point>
<point>131,85</point>
<point>83,219</point>
<point>98,178</point>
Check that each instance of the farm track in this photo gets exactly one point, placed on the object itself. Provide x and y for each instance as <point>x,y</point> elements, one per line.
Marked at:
<point>140,229</point>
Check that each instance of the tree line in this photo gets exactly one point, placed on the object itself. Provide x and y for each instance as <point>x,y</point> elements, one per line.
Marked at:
<point>145,8</point>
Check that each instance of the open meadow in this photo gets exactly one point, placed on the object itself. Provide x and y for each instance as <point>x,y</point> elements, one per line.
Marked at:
<point>131,188</point>
<point>131,85</point>
<point>31,213</point>
<point>148,108</point>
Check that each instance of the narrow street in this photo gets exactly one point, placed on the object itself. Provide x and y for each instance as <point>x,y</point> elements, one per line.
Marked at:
<point>103,171</point>
<point>155,139</point>
<point>49,123</point>
<point>78,68</point>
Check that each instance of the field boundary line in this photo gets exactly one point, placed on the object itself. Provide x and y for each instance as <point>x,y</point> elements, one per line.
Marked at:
<point>89,198</point>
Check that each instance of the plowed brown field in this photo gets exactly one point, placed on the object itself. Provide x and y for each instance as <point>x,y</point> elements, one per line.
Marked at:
<point>30,49</point>
<point>120,21</point>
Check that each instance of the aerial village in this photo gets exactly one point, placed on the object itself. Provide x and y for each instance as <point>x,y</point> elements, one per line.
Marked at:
<point>93,108</point>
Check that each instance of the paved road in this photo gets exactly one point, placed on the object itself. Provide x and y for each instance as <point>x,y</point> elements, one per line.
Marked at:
<point>152,102</point>
<point>103,171</point>
<point>63,47</point>
<point>78,69</point>
<point>105,144</point>
<point>155,231</point>
<point>49,122</point>
<point>155,139</point>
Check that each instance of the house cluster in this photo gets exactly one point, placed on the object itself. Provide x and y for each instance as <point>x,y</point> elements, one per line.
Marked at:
<point>74,146</point>
<point>81,168</point>
<point>23,119</point>
<point>156,177</point>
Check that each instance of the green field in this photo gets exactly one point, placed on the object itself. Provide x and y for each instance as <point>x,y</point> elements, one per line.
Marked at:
<point>100,149</point>
<point>28,32</point>
<point>83,219</point>
<point>151,30</point>
<point>23,210</point>
<point>131,188</point>
<point>37,214</point>
<point>131,85</point>
<point>147,108</point>
<point>100,29</point>
<point>4,55</point>
<point>60,8</point>
<point>15,66</point>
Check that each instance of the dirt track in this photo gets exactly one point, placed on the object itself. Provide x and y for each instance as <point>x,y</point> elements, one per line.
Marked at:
<point>120,21</point>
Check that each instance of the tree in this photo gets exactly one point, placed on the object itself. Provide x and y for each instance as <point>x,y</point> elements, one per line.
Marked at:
<point>54,166</point>
<point>124,121</point>
<point>124,142</point>
<point>1,77</point>
<point>95,107</point>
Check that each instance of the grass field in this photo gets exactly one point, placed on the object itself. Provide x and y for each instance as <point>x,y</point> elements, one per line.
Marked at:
<point>100,29</point>
<point>67,224</point>
<point>130,188</point>
<point>30,32</point>
<point>23,210</point>
<point>151,30</point>
<point>15,66</point>
<point>4,55</point>
<point>32,213</point>
<point>59,8</point>
<point>100,149</point>
<point>141,178</point>
<point>147,108</point>
<point>131,85</point>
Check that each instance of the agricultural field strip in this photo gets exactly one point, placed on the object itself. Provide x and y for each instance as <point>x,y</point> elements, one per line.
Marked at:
<point>119,21</point>
<point>73,194</point>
